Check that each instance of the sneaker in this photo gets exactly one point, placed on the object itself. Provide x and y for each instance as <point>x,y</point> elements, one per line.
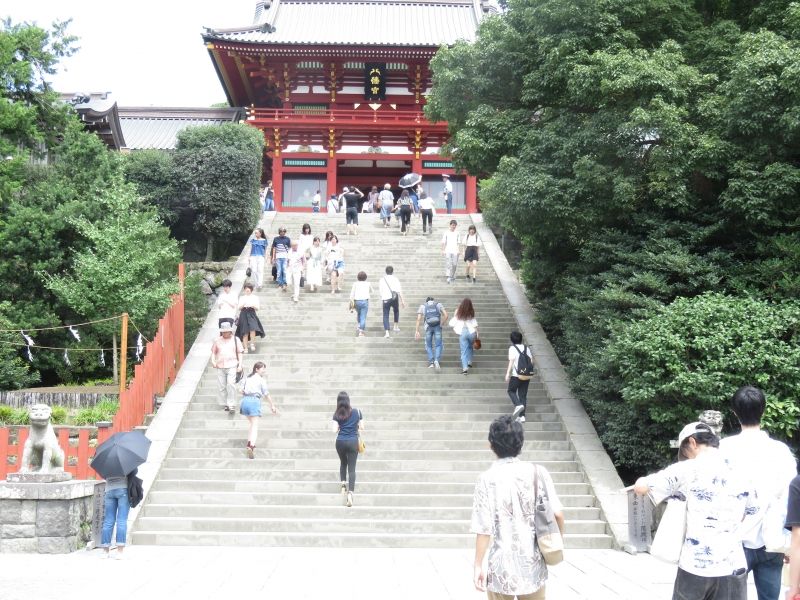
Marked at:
<point>520,419</point>
<point>430,365</point>
<point>465,371</point>
<point>349,501</point>
<point>225,408</point>
<point>248,272</point>
<point>251,451</point>
<point>517,410</point>
<point>386,335</point>
<point>396,329</point>
<point>252,347</point>
<point>118,555</point>
<point>436,364</point>
<point>231,410</point>
<point>344,489</point>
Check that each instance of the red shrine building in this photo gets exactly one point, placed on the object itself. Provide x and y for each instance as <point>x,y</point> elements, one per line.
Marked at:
<point>338,88</point>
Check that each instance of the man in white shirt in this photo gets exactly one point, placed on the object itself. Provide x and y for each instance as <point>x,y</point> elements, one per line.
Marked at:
<point>770,467</point>
<point>450,251</point>
<point>227,304</point>
<point>448,193</point>
<point>316,201</point>
<point>392,298</point>
<point>712,564</point>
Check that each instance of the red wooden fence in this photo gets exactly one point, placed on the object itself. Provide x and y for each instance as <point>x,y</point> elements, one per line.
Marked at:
<point>152,377</point>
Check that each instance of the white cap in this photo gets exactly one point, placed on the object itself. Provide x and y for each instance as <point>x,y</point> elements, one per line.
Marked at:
<point>691,429</point>
<point>226,326</point>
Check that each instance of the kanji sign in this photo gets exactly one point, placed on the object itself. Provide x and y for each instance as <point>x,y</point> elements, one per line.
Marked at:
<point>375,81</point>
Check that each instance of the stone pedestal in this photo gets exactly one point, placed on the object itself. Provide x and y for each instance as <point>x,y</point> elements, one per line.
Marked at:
<point>46,517</point>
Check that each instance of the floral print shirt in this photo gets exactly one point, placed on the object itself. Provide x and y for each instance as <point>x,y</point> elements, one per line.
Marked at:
<point>717,500</point>
<point>503,507</point>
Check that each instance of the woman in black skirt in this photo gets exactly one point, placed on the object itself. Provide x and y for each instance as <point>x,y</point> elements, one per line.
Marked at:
<point>247,325</point>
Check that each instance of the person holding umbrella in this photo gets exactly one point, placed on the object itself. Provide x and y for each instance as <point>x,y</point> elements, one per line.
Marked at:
<point>116,460</point>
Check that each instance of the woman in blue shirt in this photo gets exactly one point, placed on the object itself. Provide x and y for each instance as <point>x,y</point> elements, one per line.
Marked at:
<point>348,421</point>
<point>258,252</point>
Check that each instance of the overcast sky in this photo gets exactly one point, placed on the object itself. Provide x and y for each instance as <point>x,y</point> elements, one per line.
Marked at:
<point>146,53</point>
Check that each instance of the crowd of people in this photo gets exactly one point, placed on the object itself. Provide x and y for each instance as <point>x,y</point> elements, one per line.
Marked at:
<point>733,488</point>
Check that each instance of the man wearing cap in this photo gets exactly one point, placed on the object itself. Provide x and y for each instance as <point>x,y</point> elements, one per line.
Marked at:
<point>712,565</point>
<point>770,467</point>
<point>280,253</point>
<point>226,358</point>
<point>448,193</point>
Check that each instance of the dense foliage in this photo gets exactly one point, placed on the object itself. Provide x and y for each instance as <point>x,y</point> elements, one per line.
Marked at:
<point>61,208</point>
<point>207,189</point>
<point>643,152</point>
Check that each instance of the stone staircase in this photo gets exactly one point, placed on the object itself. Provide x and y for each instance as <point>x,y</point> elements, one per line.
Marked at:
<point>426,432</point>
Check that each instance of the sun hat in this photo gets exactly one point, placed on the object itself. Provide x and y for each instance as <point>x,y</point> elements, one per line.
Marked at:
<point>226,326</point>
<point>445,175</point>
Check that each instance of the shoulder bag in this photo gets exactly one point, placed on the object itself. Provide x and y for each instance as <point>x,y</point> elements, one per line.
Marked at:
<point>362,446</point>
<point>394,294</point>
<point>548,535</point>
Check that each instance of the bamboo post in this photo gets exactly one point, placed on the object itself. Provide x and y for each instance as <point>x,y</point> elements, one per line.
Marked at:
<point>123,355</point>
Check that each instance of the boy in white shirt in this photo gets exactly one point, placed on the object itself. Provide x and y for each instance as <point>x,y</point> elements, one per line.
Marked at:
<point>450,251</point>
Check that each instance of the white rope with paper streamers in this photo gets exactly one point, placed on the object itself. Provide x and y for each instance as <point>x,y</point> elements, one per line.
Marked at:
<point>66,358</point>
<point>75,333</point>
<point>139,348</point>
<point>30,342</point>
<point>102,358</point>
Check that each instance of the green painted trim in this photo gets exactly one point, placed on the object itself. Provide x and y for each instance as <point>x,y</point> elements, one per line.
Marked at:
<point>437,164</point>
<point>305,162</point>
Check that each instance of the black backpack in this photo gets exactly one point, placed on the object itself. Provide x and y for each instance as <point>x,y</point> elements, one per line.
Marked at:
<point>525,367</point>
<point>432,316</point>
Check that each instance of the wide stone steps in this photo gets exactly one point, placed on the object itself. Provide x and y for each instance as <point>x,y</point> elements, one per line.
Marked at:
<point>426,431</point>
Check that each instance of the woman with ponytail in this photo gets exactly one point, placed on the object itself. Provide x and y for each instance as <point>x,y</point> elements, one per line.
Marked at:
<point>255,389</point>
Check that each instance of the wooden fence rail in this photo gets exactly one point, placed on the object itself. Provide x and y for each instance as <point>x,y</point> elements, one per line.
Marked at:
<point>152,377</point>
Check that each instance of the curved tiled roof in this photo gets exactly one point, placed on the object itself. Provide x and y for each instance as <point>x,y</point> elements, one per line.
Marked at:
<point>158,128</point>
<point>359,22</point>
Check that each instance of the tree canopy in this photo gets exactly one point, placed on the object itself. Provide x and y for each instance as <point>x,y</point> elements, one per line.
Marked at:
<point>642,152</point>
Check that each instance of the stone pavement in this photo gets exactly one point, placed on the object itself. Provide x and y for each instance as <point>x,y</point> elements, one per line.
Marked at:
<point>218,573</point>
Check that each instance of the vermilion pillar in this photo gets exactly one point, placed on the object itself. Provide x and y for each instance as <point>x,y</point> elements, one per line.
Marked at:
<point>471,194</point>
<point>277,178</point>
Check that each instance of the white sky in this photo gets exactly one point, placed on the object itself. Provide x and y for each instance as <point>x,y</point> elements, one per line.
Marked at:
<point>146,53</point>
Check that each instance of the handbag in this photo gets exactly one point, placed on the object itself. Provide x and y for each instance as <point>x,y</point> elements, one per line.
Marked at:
<point>668,541</point>
<point>352,305</point>
<point>548,535</point>
<point>362,446</point>
<point>476,344</point>
<point>302,281</point>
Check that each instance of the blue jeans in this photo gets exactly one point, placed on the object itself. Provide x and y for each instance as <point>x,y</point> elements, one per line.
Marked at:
<point>116,509</point>
<point>433,343</point>
<point>448,201</point>
<point>315,209</point>
<point>465,341</point>
<point>269,203</point>
<point>766,568</point>
<point>362,306</point>
<point>280,263</point>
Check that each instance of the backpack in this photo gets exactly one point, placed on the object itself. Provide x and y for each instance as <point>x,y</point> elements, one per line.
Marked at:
<point>432,316</point>
<point>525,367</point>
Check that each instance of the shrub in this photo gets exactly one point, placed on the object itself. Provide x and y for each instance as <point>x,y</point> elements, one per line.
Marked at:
<point>13,416</point>
<point>694,353</point>
<point>104,410</point>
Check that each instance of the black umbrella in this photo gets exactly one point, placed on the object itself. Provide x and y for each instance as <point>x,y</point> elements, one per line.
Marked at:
<point>120,454</point>
<point>410,180</point>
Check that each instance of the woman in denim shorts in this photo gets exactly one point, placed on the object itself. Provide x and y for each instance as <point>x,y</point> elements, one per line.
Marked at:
<point>254,389</point>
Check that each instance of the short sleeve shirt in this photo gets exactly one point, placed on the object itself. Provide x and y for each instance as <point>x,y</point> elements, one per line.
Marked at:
<point>258,247</point>
<point>450,241</point>
<point>793,512</point>
<point>513,355</point>
<point>348,428</point>
<point>504,507</point>
<point>421,311</point>
<point>351,200</point>
<point>717,499</point>
<point>254,385</point>
<point>281,244</point>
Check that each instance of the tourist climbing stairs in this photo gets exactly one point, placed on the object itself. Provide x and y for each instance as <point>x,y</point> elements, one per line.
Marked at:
<point>425,431</point>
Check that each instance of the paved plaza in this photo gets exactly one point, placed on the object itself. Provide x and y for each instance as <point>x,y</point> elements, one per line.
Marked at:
<point>193,573</point>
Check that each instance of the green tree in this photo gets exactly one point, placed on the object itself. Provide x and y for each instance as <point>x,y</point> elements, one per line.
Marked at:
<point>641,152</point>
<point>219,171</point>
<point>32,115</point>
<point>153,172</point>
<point>129,264</point>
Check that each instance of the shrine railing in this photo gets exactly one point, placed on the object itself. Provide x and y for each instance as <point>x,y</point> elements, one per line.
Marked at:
<point>399,117</point>
<point>152,377</point>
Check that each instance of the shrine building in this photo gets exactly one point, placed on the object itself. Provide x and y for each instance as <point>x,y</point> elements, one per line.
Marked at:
<point>338,87</point>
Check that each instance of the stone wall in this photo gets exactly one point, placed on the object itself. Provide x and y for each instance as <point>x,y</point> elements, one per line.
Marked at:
<point>46,518</point>
<point>212,275</point>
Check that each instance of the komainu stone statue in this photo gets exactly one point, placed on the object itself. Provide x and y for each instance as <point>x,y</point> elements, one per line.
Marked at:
<point>41,454</point>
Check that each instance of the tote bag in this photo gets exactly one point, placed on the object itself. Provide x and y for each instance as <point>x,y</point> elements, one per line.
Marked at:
<point>548,535</point>
<point>668,541</point>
